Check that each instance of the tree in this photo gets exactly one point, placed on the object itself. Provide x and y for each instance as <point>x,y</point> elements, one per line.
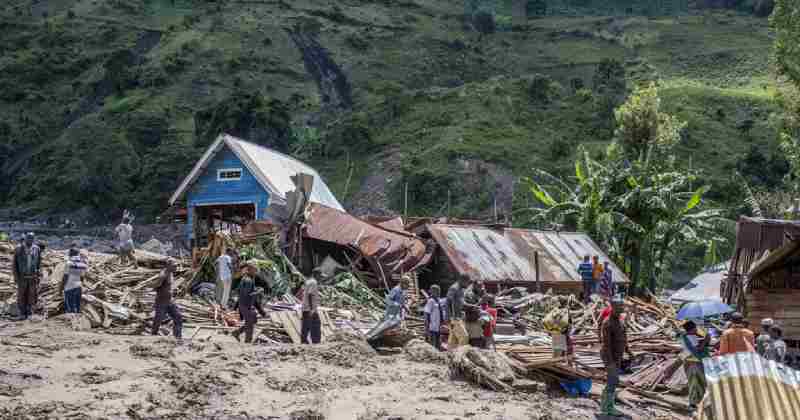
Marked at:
<point>637,202</point>
<point>785,22</point>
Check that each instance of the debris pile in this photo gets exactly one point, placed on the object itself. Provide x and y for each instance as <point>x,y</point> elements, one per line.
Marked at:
<point>651,330</point>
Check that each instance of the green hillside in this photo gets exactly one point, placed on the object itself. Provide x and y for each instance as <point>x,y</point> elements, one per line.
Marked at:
<point>107,104</point>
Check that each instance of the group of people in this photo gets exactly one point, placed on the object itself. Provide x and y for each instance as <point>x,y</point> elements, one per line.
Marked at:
<point>736,338</point>
<point>597,278</point>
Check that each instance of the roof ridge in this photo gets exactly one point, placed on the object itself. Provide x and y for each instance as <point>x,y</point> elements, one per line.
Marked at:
<point>272,151</point>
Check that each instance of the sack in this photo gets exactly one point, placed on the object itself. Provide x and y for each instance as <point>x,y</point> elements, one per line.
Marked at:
<point>557,320</point>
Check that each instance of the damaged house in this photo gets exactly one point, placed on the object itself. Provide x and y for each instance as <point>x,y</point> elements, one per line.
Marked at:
<point>504,257</point>
<point>236,182</point>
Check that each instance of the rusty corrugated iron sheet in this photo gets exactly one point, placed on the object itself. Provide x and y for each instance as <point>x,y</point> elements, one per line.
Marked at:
<point>744,386</point>
<point>395,252</point>
<point>500,255</point>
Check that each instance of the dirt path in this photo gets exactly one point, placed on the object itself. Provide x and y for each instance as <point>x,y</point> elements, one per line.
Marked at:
<point>48,371</point>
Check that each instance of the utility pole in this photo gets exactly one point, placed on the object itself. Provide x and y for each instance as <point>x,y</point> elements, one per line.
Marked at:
<point>405,201</point>
<point>448,205</point>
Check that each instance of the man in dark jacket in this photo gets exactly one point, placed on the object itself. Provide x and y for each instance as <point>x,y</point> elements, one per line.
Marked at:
<point>614,345</point>
<point>249,303</point>
<point>164,304</point>
<point>27,266</point>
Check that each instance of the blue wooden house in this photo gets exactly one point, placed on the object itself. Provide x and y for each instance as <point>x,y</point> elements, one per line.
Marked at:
<point>236,181</point>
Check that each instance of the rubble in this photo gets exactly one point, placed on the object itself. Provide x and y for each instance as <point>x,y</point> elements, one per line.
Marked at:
<point>118,299</point>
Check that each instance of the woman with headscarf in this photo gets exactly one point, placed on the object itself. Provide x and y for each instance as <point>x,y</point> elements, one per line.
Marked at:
<point>311,323</point>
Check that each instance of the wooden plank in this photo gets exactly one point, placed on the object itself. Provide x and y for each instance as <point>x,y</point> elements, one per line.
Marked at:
<point>283,318</point>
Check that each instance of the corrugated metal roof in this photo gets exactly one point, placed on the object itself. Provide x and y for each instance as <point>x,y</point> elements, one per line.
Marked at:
<point>506,255</point>
<point>272,169</point>
<point>744,386</point>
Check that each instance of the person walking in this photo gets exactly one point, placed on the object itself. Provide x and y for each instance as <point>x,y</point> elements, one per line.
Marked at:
<point>224,278</point>
<point>27,272</point>
<point>311,324</point>
<point>737,338</point>
<point>614,346</point>
<point>249,303</point>
<point>763,339</point>
<point>455,302</point>
<point>71,283</point>
<point>695,349</point>
<point>164,304</point>
<point>776,349</point>
<point>586,271</point>
<point>435,310</point>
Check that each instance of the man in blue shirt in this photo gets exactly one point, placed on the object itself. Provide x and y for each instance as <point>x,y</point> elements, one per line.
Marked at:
<point>587,275</point>
<point>397,296</point>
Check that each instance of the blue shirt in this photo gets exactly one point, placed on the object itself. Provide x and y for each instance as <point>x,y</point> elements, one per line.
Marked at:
<point>397,296</point>
<point>585,269</point>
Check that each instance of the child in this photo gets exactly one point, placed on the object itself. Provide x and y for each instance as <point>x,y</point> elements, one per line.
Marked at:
<point>488,328</point>
<point>435,310</point>
<point>71,282</point>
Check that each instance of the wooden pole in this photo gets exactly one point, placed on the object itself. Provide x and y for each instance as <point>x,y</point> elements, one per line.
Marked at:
<point>448,206</point>
<point>536,267</point>
<point>405,201</point>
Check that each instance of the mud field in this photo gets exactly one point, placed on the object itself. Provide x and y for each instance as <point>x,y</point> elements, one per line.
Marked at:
<point>48,371</point>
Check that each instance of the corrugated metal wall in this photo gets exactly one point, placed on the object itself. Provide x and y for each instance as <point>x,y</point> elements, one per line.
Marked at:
<point>744,386</point>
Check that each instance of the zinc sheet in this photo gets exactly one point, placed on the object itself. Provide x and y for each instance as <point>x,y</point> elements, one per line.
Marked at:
<point>507,255</point>
<point>279,169</point>
<point>744,386</point>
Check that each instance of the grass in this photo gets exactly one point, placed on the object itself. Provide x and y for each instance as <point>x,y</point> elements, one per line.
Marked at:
<point>405,74</point>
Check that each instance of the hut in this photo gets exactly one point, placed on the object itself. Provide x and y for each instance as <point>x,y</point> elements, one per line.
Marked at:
<point>236,182</point>
<point>763,280</point>
<point>504,257</point>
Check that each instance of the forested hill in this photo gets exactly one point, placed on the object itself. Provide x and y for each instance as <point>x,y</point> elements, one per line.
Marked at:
<point>106,104</point>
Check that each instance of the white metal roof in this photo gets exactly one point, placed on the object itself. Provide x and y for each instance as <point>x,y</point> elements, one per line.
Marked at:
<point>272,169</point>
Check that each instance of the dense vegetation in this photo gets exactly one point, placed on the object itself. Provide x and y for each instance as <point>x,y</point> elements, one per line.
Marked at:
<point>105,105</point>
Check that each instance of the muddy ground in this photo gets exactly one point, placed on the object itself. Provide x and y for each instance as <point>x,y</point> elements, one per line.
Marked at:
<point>48,371</point>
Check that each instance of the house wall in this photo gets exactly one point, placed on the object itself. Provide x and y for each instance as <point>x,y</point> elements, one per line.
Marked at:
<point>207,190</point>
<point>782,305</point>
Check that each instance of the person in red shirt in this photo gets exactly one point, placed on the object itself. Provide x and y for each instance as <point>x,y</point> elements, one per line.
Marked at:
<point>487,305</point>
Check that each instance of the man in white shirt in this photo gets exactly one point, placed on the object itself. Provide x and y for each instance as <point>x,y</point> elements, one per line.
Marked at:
<point>224,278</point>
<point>435,314</point>
<point>125,235</point>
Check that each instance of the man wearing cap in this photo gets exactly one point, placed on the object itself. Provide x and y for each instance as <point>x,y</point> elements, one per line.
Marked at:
<point>614,346</point>
<point>249,303</point>
<point>164,304</point>
<point>27,266</point>
<point>737,338</point>
<point>763,340</point>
